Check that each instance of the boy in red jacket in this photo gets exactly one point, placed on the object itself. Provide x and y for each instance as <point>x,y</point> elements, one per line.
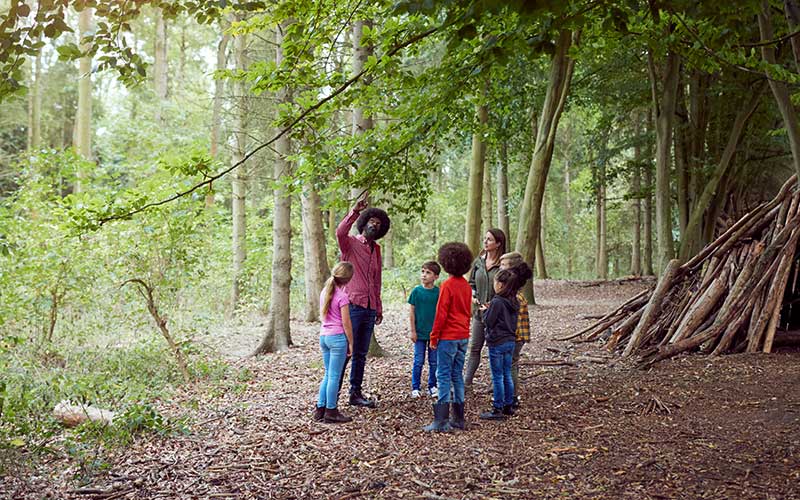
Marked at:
<point>450,336</point>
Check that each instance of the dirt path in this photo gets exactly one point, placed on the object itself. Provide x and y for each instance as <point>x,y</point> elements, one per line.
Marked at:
<point>692,427</point>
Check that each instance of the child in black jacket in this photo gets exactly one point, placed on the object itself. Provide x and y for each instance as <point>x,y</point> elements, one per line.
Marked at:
<point>500,319</point>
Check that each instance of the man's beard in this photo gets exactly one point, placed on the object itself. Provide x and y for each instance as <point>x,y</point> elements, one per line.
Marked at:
<point>371,233</point>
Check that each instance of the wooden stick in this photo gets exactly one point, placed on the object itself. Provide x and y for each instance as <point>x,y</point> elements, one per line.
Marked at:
<point>653,306</point>
<point>591,327</point>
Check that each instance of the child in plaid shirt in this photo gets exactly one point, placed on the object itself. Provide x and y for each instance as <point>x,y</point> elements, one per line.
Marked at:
<point>511,261</point>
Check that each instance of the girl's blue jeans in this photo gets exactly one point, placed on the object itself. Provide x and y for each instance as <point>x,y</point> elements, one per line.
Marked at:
<point>502,383</point>
<point>420,348</point>
<point>450,356</point>
<point>334,353</point>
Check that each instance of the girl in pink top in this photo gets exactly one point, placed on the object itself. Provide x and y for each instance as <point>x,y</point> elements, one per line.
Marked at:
<point>335,339</point>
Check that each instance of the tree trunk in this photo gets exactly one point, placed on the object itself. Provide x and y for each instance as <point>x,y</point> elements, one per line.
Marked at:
<point>474,197</point>
<point>779,89</point>
<point>681,148</point>
<point>277,336</point>
<point>216,113</point>
<point>636,213</point>
<point>690,244</point>
<point>529,227</point>
<point>568,218</point>
<point>82,140</point>
<point>664,108</point>
<point>35,106</point>
<point>315,256</point>
<point>160,71</point>
<point>793,19</point>
<point>502,190</point>
<point>648,208</point>
<point>238,183</point>
<point>602,245</point>
<point>486,196</point>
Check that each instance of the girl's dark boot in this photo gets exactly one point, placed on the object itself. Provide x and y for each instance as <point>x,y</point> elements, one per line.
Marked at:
<point>441,416</point>
<point>319,413</point>
<point>457,416</point>
<point>334,416</point>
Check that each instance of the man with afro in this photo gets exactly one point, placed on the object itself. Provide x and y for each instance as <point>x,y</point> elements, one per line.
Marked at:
<point>364,289</point>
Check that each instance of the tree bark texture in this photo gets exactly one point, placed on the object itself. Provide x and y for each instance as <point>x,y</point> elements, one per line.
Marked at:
<point>648,210</point>
<point>35,106</point>
<point>601,264</point>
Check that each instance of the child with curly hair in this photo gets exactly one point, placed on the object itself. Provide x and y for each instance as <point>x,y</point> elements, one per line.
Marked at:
<point>450,336</point>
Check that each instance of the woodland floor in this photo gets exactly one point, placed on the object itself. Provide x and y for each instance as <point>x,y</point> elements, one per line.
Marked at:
<point>692,427</point>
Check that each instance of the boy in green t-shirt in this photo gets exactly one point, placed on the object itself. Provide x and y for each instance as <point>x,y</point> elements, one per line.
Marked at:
<point>423,301</point>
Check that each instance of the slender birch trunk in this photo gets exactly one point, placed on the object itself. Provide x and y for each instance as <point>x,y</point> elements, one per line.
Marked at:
<point>82,139</point>
<point>277,336</point>
<point>216,110</point>
<point>238,183</point>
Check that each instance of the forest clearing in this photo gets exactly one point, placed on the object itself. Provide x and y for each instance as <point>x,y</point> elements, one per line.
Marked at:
<point>399,249</point>
<point>692,427</point>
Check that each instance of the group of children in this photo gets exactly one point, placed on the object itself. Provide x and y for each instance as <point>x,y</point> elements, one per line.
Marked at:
<point>440,330</point>
<point>505,319</point>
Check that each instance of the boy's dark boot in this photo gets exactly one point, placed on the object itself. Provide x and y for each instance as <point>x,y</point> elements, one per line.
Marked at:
<point>457,416</point>
<point>319,413</point>
<point>334,416</point>
<point>508,410</point>
<point>493,414</point>
<point>441,419</point>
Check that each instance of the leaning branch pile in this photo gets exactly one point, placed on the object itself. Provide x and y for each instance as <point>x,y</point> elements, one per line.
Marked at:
<point>728,298</point>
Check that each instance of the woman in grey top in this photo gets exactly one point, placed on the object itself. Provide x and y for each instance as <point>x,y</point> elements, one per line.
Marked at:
<point>481,279</point>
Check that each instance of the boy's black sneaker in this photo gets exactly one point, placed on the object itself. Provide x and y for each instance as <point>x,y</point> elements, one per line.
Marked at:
<point>508,410</point>
<point>515,404</point>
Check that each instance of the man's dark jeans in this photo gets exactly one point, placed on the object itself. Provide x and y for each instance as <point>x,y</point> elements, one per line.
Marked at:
<point>363,321</point>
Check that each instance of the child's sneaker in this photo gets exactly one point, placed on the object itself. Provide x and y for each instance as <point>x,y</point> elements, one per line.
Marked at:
<point>415,393</point>
<point>433,392</point>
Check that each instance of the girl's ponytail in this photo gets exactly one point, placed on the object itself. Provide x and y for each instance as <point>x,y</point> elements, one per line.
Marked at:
<point>340,275</point>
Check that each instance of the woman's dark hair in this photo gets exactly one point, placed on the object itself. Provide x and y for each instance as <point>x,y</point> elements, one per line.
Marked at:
<point>456,258</point>
<point>379,214</point>
<point>508,279</point>
<point>500,238</point>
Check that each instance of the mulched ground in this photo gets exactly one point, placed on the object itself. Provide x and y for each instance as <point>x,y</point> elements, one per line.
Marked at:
<point>590,427</point>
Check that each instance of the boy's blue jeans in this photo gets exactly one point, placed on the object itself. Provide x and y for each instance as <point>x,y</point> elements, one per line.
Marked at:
<point>420,347</point>
<point>334,352</point>
<point>450,356</point>
<point>502,383</point>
